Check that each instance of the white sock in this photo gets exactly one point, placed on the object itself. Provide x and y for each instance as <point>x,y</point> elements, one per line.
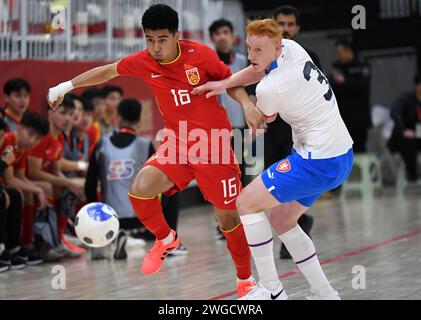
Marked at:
<point>260,239</point>
<point>302,250</point>
<point>168,238</point>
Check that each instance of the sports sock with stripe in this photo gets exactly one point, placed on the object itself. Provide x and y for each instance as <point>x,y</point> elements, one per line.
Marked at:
<point>303,252</point>
<point>260,240</point>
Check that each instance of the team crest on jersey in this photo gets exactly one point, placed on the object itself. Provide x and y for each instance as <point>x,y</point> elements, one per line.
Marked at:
<point>284,166</point>
<point>192,74</point>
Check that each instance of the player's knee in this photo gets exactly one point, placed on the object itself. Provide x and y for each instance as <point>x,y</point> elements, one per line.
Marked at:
<point>140,187</point>
<point>228,221</point>
<point>47,187</point>
<point>244,203</point>
<point>145,185</point>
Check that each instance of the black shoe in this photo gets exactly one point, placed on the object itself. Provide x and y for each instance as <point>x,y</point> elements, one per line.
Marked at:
<point>180,251</point>
<point>120,247</point>
<point>4,262</point>
<point>144,234</point>
<point>17,261</point>
<point>306,223</point>
<point>33,257</point>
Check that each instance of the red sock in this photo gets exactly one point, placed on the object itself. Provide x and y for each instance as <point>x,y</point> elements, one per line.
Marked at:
<point>26,234</point>
<point>240,252</point>
<point>62,220</point>
<point>62,223</point>
<point>149,212</point>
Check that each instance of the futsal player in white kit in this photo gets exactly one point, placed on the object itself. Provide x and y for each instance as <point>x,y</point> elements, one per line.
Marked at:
<point>321,160</point>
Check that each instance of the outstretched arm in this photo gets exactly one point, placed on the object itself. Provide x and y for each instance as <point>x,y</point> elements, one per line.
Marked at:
<point>91,77</point>
<point>244,77</point>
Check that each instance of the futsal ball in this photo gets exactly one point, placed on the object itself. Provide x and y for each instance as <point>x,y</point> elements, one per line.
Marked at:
<point>96,224</point>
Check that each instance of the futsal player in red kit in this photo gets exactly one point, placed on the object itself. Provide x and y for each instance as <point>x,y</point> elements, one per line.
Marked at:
<point>172,68</point>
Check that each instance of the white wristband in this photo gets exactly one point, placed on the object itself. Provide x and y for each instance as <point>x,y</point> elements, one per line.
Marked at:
<point>59,90</point>
<point>82,165</point>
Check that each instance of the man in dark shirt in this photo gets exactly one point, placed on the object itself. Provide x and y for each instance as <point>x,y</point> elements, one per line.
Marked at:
<point>350,80</point>
<point>406,135</point>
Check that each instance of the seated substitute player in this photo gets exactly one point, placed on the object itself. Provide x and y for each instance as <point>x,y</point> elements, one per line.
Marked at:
<point>291,85</point>
<point>17,98</point>
<point>172,68</point>
<point>10,213</point>
<point>44,165</point>
<point>31,129</point>
<point>94,95</point>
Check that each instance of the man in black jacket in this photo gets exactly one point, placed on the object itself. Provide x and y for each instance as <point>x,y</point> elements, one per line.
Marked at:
<point>350,80</point>
<point>406,135</point>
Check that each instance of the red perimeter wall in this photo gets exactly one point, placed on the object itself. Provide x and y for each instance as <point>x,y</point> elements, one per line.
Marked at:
<point>42,75</point>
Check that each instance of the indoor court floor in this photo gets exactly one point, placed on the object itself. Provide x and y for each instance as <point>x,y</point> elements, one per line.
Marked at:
<point>377,237</point>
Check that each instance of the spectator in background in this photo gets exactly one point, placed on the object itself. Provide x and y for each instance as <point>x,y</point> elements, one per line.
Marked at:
<point>30,130</point>
<point>114,163</point>
<point>72,163</point>
<point>77,147</point>
<point>94,95</point>
<point>44,165</point>
<point>350,80</point>
<point>112,96</point>
<point>221,33</point>
<point>278,135</point>
<point>82,145</point>
<point>10,213</point>
<point>289,19</point>
<point>406,135</point>
<point>17,98</point>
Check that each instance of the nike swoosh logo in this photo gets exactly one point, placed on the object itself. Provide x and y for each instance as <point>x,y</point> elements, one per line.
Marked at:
<point>273,297</point>
<point>156,75</point>
<point>226,202</point>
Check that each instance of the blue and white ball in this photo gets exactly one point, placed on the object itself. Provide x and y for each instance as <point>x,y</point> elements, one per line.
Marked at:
<point>96,224</point>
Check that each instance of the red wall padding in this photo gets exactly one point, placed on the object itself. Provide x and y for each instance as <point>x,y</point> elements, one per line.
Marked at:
<point>44,74</point>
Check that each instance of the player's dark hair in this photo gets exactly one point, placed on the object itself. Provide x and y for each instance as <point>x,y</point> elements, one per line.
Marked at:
<point>92,93</point>
<point>345,43</point>
<point>129,110</point>
<point>16,85</point>
<point>106,90</point>
<point>3,124</point>
<point>86,104</point>
<point>417,79</point>
<point>220,23</point>
<point>287,11</point>
<point>68,102</point>
<point>160,16</point>
<point>36,122</point>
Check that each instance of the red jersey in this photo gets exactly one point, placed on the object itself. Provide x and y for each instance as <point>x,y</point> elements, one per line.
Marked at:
<point>172,83</point>
<point>49,149</point>
<point>10,140</point>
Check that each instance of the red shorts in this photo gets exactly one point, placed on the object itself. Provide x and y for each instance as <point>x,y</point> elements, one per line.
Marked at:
<point>220,184</point>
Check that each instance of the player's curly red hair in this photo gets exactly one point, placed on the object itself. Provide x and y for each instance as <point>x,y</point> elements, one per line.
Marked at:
<point>265,27</point>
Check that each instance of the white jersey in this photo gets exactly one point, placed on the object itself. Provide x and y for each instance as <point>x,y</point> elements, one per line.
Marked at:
<point>296,89</point>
